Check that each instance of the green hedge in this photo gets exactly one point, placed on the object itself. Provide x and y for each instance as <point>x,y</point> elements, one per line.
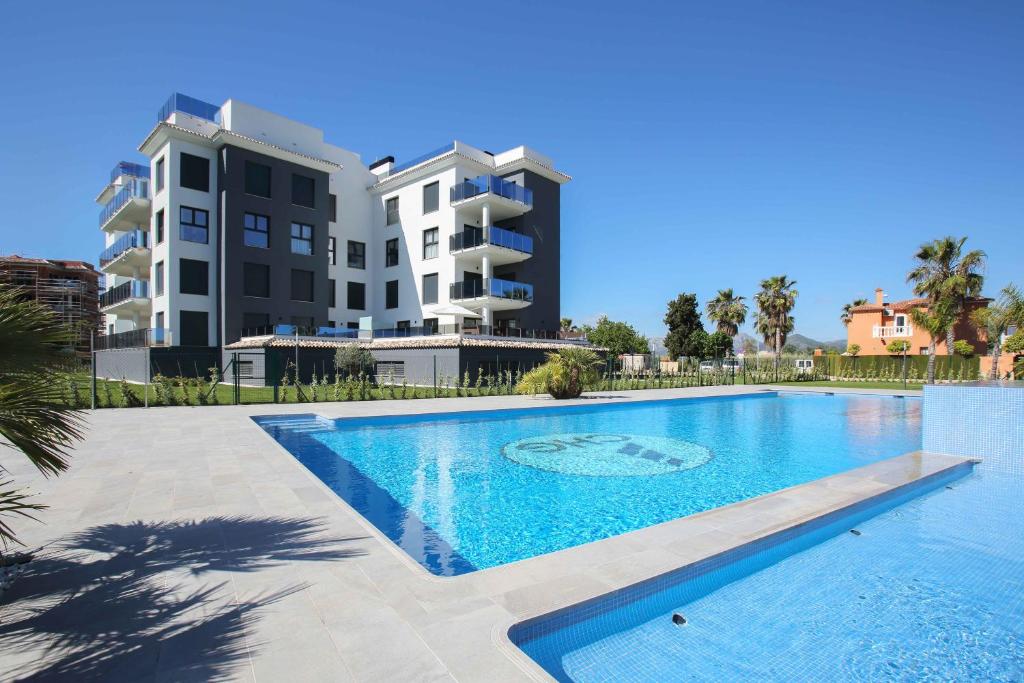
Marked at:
<point>949,368</point>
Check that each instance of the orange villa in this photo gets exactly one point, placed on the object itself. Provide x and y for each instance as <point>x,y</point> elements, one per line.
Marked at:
<point>875,326</point>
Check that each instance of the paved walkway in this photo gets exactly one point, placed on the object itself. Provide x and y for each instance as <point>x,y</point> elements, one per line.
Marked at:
<point>185,544</point>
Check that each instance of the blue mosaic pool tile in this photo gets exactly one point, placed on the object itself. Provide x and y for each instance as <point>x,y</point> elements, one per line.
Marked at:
<point>976,420</point>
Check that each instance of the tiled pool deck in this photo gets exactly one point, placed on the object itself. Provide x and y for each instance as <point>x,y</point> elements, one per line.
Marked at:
<point>185,544</point>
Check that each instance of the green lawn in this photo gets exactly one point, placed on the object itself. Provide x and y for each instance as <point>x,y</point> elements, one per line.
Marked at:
<point>858,385</point>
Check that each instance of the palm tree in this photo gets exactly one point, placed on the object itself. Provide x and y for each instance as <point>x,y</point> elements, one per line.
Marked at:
<point>727,311</point>
<point>34,356</point>
<point>772,319</point>
<point>566,373</point>
<point>565,324</point>
<point>994,320</point>
<point>946,275</point>
<point>847,314</point>
<point>936,321</point>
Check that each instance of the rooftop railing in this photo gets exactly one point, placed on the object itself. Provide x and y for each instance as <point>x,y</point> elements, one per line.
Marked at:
<point>502,289</point>
<point>134,339</point>
<point>137,188</point>
<point>188,105</point>
<point>423,157</point>
<point>415,331</point>
<point>493,235</point>
<point>133,289</point>
<point>137,239</point>
<point>129,168</point>
<point>492,184</point>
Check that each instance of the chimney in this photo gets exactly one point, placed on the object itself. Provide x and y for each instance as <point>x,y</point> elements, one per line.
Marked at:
<point>879,297</point>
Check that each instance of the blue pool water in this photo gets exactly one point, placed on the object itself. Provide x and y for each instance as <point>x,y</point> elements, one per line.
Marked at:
<point>931,589</point>
<point>474,490</point>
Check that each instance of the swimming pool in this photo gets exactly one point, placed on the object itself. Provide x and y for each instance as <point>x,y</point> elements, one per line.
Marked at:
<point>929,587</point>
<point>465,491</point>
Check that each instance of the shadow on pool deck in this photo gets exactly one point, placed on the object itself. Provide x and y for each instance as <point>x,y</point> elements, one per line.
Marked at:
<point>125,601</point>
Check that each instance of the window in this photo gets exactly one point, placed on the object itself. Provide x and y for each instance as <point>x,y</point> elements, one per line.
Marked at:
<point>257,179</point>
<point>430,288</point>
<point>900,321</point>
<point>430,325</point>
<point>194,225</point>
<point>194,172</point>
<point>357,297</point>
<point>352,326</point>
<point>332,251</point>
<point>193,276</point>
<point>257,230</point>
<point>430,243</point>
<point>331,298</point>
<point>194,328</point>
<point>391,253</point>
<point>332,207</point>
<point>158,174</point>
<point>160,226</point>
<point>391,207</point>
<point>255,323</point>
<point>302,285</point>
<point>402,325</point>
<point>256,280</point>
<point>302,239</point>
<point>303,190</point>
<point>356,255</point>
<point>391,294</point>
<point>159,321</point>
<point>430,194</point>
<point>158,279</point>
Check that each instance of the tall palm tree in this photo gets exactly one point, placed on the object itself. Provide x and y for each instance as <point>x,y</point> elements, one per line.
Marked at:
<point>945,274</point>
<point>995,319</point>
<point>565,324</point>
<point>772,319</point>
<point>847,314</point>
<point>34,355</point>
<point>727,311</point>
<point>936,321</point>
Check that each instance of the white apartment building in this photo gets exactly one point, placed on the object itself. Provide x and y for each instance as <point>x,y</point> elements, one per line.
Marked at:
<point>245,223</point>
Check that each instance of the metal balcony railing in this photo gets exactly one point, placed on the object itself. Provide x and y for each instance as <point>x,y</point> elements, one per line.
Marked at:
<point>134,339</point>
<point>499,237</point>
<point>137,239</point>
<point>188,105</point>
<point>135,189</point>
<point>502,289</point>
<point>130,169</point>
<point>494,185</point>
<point>890,331</point>
<point>133,289</point>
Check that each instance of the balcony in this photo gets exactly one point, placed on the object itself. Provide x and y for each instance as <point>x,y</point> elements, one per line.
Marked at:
<point>504,198</point>
<point>499,245</point>
<point>892,331</point>
<point>127,168</point>
<point>188,105</point>
<point>128,299</point>
<point>127,209</point>
<point>498,295</point>
<point>134,339</point>
<point>128,255</point>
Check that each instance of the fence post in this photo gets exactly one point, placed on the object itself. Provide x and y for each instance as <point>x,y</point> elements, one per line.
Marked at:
<point>145,387</point>
<point>234,378</point>
<point>92,356</point>
<point>435,375</point>
<point>270,359</point>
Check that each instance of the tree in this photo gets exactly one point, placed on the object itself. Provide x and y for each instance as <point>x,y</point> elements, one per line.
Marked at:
<point>353,359</point>
<point>947,276</point>
<point>619,338</point>
<point>936,321</point>
<point>847,314</point>
<point>566,373</point>
<point>772,319</point>
<point>749,347</point>
<point>34,419</point>
<point>853,349</point>
<point>682,319</point>
<point>565,324</point>
<point>719,345</point>
<point>727,311</point>
<point>996,318</point>
<point>898,346</point>
<point>963,348</point>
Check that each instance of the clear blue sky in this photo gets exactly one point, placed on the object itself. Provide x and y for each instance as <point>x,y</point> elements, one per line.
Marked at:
<point>710,146</point>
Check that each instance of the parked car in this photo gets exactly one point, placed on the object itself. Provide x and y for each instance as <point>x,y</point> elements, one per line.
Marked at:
<point>708,365</point>
<point>731,364</point>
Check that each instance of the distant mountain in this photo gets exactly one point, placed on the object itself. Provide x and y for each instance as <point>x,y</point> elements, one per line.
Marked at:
<point>800,340</point>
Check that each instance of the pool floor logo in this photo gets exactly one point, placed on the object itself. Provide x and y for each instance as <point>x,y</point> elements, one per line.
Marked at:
<point>607,455</point>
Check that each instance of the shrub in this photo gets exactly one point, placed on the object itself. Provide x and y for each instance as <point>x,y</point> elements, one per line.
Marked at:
<point>963,348</point>
<point>565,374</point>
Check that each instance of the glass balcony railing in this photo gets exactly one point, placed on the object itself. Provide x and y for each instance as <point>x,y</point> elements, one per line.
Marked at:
<point>494,185</point>
<point>134,189</point>
<point>188,105</point>
<point>423,157</point>
<point>134,339</point>
<point>137,239</point>
<point>502,289</point>
<point>495,236</point>
<point>133,289</point>
<point>130,169</point>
